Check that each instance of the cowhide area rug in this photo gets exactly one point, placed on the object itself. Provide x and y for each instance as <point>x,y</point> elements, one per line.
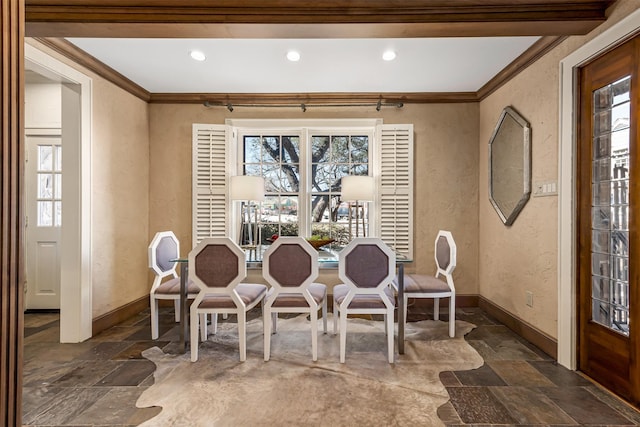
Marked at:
<point>292,390</point>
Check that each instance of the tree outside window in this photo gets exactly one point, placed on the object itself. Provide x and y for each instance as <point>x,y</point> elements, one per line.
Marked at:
<point>329,157</point>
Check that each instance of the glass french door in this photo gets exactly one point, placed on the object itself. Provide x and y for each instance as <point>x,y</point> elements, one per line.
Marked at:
<point>608,239</point>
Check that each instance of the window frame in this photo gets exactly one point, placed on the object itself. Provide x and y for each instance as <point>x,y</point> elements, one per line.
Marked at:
<point>306,129</point>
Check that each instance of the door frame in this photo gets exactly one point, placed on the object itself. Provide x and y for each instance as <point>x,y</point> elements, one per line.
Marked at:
<point>567,155</point>
<point>76,308</point>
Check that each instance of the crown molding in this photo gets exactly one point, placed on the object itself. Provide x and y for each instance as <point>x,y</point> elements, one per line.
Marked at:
<point>528,57</point>
<point>311,99</point>
<point>80,57</point>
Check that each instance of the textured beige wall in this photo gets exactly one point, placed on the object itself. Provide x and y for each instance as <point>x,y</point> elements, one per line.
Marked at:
<point>523,257</point>
<point>120,198</point>
<point>446,171</point>
<point>120,193</point>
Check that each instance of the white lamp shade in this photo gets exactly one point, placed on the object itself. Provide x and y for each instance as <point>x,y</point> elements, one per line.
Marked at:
<point>244,187</point>
<point>358,188</point>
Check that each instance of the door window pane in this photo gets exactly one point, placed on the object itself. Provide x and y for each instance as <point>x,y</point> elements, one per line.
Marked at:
<point>45,214</point>
<point>45,185</point>
<point>45,158</point>
<point>610,206</point>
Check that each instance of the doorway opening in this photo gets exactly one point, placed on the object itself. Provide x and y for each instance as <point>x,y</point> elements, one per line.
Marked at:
<point>68,254</point>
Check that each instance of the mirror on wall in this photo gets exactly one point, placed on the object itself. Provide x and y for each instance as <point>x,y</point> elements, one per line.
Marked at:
<point>510,165</point>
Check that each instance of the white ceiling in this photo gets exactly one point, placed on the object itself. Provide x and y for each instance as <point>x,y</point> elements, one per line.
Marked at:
<point>326,65</point>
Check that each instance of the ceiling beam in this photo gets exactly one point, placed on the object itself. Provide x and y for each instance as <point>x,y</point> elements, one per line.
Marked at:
<point>311,19</point>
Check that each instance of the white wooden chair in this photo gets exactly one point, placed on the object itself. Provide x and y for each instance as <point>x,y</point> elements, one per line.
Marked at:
<point>438,286</point>
<point>217,266</point>
<point>166,284</point>
<point>367,268</point>
<point>290,265</point>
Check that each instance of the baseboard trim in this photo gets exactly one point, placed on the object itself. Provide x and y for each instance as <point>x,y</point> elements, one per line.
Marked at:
<point>535,336</point>
<point>118,315</point>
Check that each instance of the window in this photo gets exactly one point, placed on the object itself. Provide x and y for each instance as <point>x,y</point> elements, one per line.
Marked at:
<point>49,178</point>
<point>303,170</point>
<point>303,163</point>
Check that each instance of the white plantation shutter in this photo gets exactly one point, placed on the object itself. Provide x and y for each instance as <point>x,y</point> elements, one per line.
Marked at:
<point>395,168</point>
<point>211,162</point>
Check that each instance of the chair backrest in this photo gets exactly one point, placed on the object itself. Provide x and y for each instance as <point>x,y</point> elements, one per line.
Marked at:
<point>445,253</point>
<point>290,263</point>
<point>163,248</point>
<point>217,265</point>
<point>367,264</point>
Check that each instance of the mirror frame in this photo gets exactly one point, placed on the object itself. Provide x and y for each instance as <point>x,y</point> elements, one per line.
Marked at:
<point>509,217</point>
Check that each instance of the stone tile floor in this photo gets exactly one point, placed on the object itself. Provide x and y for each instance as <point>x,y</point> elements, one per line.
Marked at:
<point>96,383</point>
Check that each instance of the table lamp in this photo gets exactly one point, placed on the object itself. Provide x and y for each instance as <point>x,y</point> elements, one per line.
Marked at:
<point>248,189</point>
<point>357,188</point>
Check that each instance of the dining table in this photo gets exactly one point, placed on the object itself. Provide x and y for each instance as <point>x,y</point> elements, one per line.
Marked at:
<point>327,259</point>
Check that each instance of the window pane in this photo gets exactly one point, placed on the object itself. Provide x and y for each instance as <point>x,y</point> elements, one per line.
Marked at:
<point>340,149</point>
<point>620,243</point>
<point>271,174</point>
<point>45,185</point>
<point>290,178</point>
<point>271,149</point>
<point>360,149</point>
<point>319,149</point>
<point>252,149</point>
<point>291,149</point>
<point>602,170</point>
<point>279,217</point>
<point>360,170</point>
<point>602,146</point>
<point>600,288</point>
<point>600,313</point>
<point>58,186</point>
<point>45,218</point>
<point>58,156</point>
<point>58,214</point>
<point>327,177</point>
<point>45,158</point>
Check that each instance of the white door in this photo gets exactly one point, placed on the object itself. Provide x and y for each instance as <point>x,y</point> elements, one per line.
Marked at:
<point>43,173</point>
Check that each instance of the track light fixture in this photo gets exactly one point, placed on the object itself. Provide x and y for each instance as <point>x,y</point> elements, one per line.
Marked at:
<point>378,105</point>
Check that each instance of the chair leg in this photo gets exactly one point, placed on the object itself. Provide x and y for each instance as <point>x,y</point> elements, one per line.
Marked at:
<point>203,327</point>
<point>452,315</point>
<point>406,303</point>
<point>343,335</point>
<point>154,318</point>
<point>214,323</point>
<point>336,312</point>
<point>314,334</point>
<point>274,322</point>
<point>194,334</point>
<point>390,346</point>
<point>436,309</point>
<point>324,314</point>
<point>176,309</point>
<point>242,334</point>
<point>266,323</point>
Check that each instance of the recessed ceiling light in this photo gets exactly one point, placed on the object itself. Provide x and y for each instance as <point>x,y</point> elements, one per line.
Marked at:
<point>197,55</point>
<point>389,55</point>
<point>293,56</point>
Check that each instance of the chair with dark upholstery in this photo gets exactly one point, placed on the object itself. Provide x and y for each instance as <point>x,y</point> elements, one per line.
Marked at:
<point>427,286</point>
<point>290,266</point>
<point>367,268</point>
<point>217,266</point>
<point>163,248</point>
